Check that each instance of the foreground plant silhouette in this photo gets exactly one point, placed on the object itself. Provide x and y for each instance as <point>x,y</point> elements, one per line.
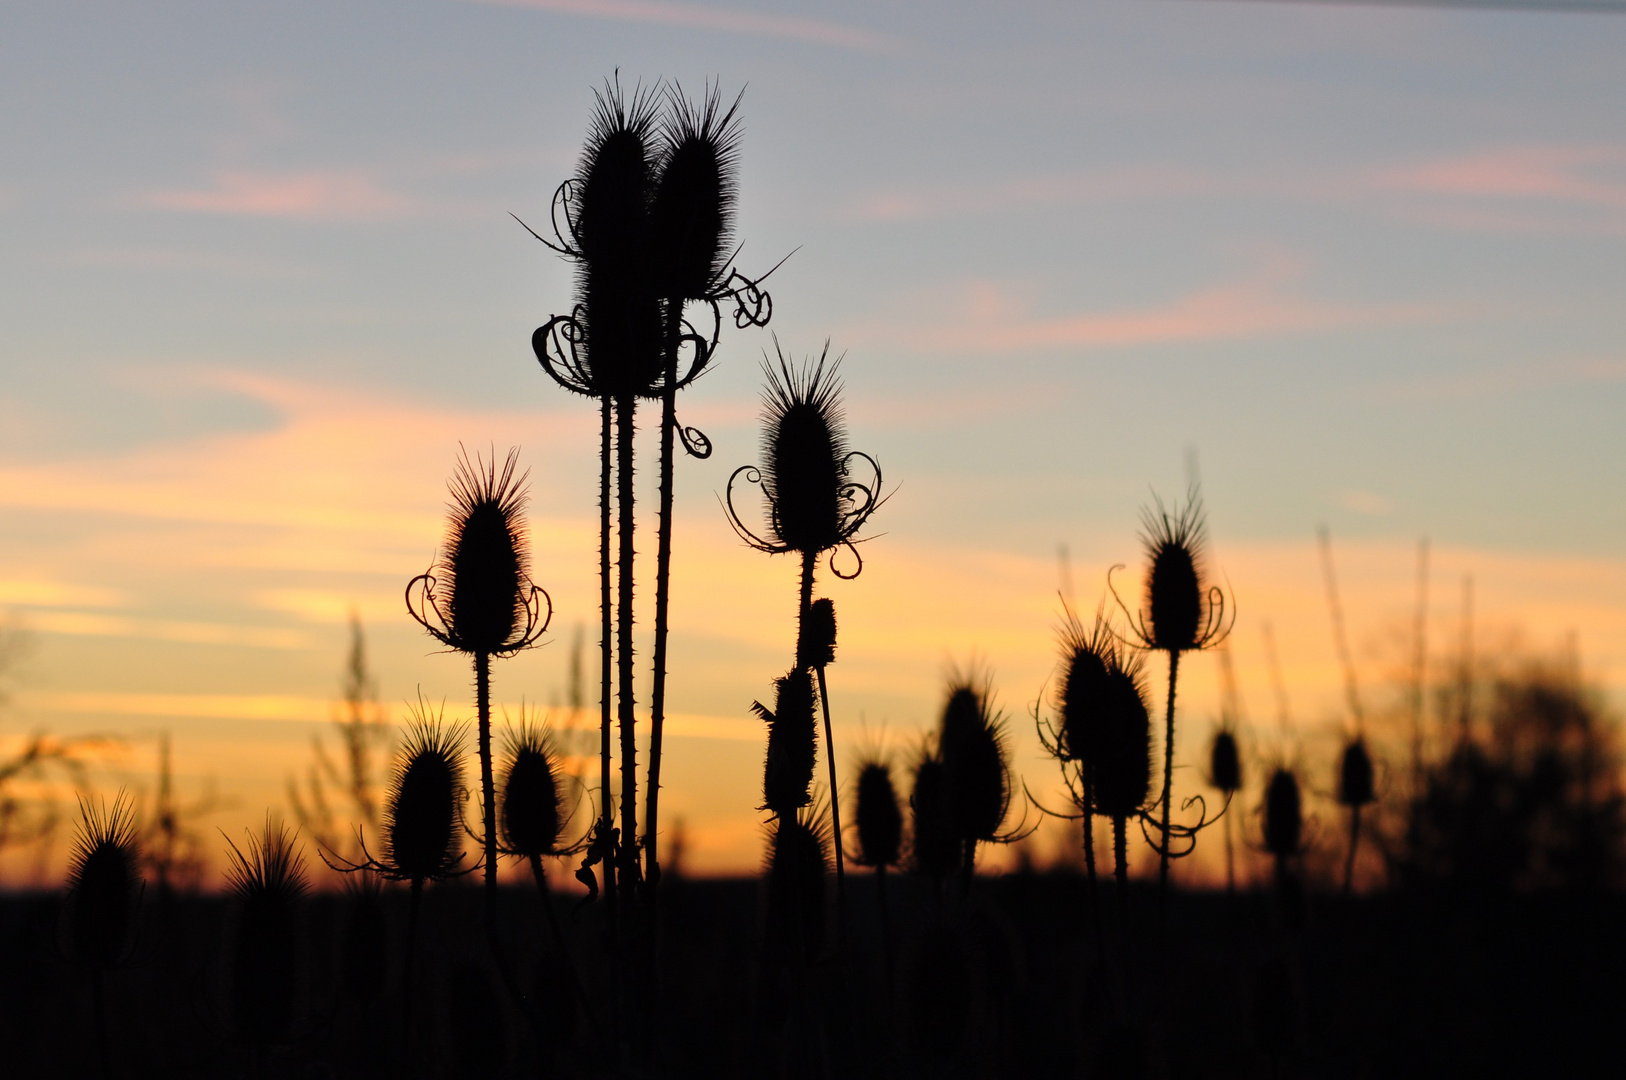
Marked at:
<point>479,599</point>
<point>265,972</point>
<point>104,892</point>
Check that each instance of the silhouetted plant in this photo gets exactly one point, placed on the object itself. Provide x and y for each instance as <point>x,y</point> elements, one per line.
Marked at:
<point>1225,773</point>
<point>798,865</point>
<point>266,970</point>
<point>1123,770</point>
<point>879,822</point>
<point>104,893</point>
<point>364,960</point>
<point>976,765</point>
<point>787,773</point>
<point>478,599</point>
<point>1284,818</point>
<point>935,849</point>
<point>1355,790</point>
<point>1182,612</point>
<point>816,649</point>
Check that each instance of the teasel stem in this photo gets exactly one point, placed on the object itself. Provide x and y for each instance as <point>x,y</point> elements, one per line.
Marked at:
<point>1120,855</point>
<point>606,649</point>
<point>411,955</point>
<point>1168,784</point>
<point>1230,860</point>
<point>835,808</point>
<point>1089,864</point>
<point>625,407</point>
<point>663,574</point>
<point>1354,839</point>
<point>886,926</point>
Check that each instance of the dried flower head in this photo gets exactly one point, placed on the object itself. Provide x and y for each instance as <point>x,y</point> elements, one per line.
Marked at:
<point>1181,611</point>
<point>814,504</point>
<point>1085,690</point>
<point>104,883</point>
<point>879,819</point>
<point>478,598</point>
<point>692,210</point>
<point>1123,767</point>
<point>935,848</point>
<point>533,805</point>
<point>1284,820</point>
<point>816,640</point>
<point>1355,786</point>
<point>268,887</point>
<point>798,864</point>
<point>423,812</point>
<point>971,744</point>
<point>1224,763</point>
<point>787,775</point>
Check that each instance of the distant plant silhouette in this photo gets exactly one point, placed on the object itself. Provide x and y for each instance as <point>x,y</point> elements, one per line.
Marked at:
<point>1182,612</point>
<point>104,892</point>
<point>1355,791</point>
<point>935,850</point>
<point>1284,835</point>
<point>879,822</point>
<point>1225,773</point>
<point>265,952</point>
<point>971,743</point>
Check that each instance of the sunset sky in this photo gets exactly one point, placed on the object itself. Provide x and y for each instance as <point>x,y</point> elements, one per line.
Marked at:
<point>259,281</point>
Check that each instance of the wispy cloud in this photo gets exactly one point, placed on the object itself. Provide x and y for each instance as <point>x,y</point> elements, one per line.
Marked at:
<point>85,624</point>
<point>318,194</point>
<point>1555,173</point>
<point>47,592</point>
<point>705,17</point>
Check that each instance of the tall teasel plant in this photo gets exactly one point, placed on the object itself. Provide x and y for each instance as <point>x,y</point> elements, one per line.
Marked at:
<point>1225,773</point>
<point>647,220</point>
<point>265,970</point>
<point>104,895</point>
<point>972,745</point>
<point>1183,611</point>
<point>1356,791</point>
<point>879,822</point>
<point>815,504</point>
<point>478,599</point>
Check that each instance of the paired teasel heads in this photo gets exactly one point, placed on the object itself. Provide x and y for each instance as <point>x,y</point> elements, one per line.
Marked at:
<point>478,598</point>
<point>814,503</point>
<point>962,782</point>
<point>1102,729</point>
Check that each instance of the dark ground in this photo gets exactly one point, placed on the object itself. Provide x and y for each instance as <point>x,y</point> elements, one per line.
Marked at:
<point>1005,984</point>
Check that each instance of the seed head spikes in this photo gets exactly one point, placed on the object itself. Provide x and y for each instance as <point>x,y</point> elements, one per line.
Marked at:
<point>798,864</point>
<point>787,775</point>
<point>423,836</point>
<point>691,214</point>
<point>879,820</point>
<point>268,885</point>
<point>1087,656</point>
<point>104,883</point>
<point>535,810</point>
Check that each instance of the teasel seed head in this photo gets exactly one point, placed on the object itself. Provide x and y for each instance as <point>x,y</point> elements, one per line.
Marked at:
<point>1182,611</point>
<point>268,888</point>
<point>614,182</point>
<point>691,212</point>
<point>1355,787</point>
<point>423,818</point>
<point>935,848</point>
<point>104,883</point>
<point>787,774</point>
<point>971,744</point>
<point>1085,691</point>
<point>479,597</point>
<point>1224,762</point>
<point>816,641</point>
<point>533,816</point>
<point>1284,821</point>
<point>879,819</point>
<point>798,863</point>
<point>1123,767</point>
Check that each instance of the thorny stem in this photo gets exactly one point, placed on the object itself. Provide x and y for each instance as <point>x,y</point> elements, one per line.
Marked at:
<point>1120,855</point>
<point>488,791</point>
<point>1354,840</point>
<point>406,980</point>
<point>624,409</point>
<point>606,805</point>
<point>835,810</point>
<point>1168,784</point>
<point>663,574</point>
<point>1089,863</point>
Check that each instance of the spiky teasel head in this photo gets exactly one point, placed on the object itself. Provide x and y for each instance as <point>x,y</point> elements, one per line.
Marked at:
<point>423,811</point>
<point>813,502</point>
<point>268,889</point>
<point>971,744</point>
<point>533,813</point>
<point>797,866</point>
<point>104,883</point>
<point>787,774</point>
<point>935,848</point>
<point>1355,784</point>
<point>1085,691</point>
<point>691,213</point>
<point>879,819</point>
<point>614,181</point>
<point>1224,762</point>
<point>816,639</point>
<point>1181,611</point>
<point>1284,816</point>
<point>1123,767</point>
<point>479,598</point>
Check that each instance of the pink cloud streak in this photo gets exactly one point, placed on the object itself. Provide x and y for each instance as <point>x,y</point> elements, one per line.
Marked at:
<point>341,193</point>
<point>698,17</point>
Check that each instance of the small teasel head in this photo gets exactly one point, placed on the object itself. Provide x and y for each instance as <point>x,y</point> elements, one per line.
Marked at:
<point>971,744</point>
<point>533,810</point>
<point>1284,818</point>
<point>104,883</point>
<point>479,597</point>
<point>798,864</point>
<point>691,214</point>
<point>268,889</point>
<point>878,817</point>
<point>1355,785</point>
<point>1224,762</point>
<point>1182,611</point>
<point>1085,690</point>
<point>816,640</point>
<point>423,810</point>
<point>935,847</point>
<point>787,774</point>
<point>1123,768</point>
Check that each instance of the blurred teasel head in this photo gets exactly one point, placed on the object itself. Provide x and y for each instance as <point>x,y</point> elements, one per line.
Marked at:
<point>533,809</point>
<point>1284,820</point>
<point>478,598</point>
<point>787,774</point>
<point>268,888</point>
<point>692,209</point>
<point>365,959</point>
<point>935,847</point>
<point>423,811</point>
<point>104,884</point>
<point>816,640</point>
<point>879,820</point>
<point>1123,767</point>
<point>1355,786</point>
<point>814,504</point>
<point>1085,691</point>
<point>798,864</point>
<point>1182,610</point>
<point>1224,763</point>
<point>971,744</point>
